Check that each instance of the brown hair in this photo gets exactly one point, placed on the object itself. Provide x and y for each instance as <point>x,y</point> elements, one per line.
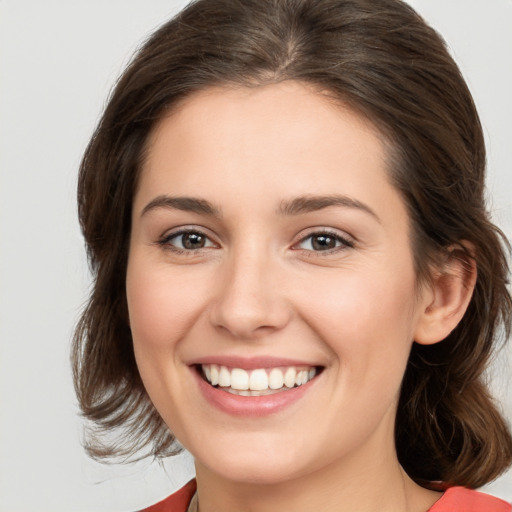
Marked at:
<point>380,58</point>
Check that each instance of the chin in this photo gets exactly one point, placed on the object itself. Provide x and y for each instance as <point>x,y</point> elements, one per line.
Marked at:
<point>257,467</point>
<point>268,473</point>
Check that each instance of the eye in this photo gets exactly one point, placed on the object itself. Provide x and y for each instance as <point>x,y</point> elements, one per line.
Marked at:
<point>189,240</point>
<point>323,241</point>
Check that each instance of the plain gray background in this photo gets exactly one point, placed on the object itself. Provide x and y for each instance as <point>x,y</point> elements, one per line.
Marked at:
<point>58,61</point>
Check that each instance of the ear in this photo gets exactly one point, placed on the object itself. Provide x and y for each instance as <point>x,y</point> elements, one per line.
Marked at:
<point>445,298</point>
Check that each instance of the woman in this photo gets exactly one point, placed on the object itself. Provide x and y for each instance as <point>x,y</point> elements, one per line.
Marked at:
<point>296,276</point>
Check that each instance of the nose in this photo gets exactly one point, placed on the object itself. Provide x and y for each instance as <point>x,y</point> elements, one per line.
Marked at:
<point>251,300</point>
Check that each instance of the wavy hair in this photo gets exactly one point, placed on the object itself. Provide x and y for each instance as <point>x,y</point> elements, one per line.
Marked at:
<point>380,58</point>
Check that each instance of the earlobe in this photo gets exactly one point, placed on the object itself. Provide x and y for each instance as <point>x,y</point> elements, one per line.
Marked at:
<point>447,296</point>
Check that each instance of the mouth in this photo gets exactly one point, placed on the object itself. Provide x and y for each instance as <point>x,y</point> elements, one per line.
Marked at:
<point>258,381</point>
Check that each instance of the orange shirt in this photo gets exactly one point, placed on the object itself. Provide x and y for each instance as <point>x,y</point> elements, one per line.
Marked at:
<point>455,499</point>
<point>460,499</point>
<point>177,502</point>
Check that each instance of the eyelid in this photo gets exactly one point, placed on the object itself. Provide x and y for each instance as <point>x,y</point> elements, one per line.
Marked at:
<point>169,235</point>
<point>346,240</point>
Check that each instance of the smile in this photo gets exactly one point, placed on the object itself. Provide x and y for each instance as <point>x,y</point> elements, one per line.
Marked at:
<point>259,381</point>
<point>254,387</point>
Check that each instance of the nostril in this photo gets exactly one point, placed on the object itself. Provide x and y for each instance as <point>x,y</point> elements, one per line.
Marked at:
<point>249,306</point>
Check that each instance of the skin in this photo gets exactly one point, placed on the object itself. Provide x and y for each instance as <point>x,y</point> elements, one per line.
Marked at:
<point>259,287</point>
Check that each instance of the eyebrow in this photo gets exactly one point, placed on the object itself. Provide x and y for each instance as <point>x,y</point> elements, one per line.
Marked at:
<point>309,203</point>
<point>187,204</point>
<point>295,206</point>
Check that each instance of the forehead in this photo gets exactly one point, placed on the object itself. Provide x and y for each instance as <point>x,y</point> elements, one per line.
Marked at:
<point>287,106</point>
<point>279,140</point>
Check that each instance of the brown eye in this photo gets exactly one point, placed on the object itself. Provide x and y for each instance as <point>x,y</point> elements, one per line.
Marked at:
<point>323,242</point>
<point>319,242</point>
<point>187,241</point>
<point>193,241</point>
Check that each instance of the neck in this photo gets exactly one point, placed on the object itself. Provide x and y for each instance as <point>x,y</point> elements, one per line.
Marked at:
<point>374,483</point>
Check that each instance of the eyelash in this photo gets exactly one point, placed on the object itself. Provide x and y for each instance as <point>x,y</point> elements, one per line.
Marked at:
<point>340,241</point>
<point>165,241</point>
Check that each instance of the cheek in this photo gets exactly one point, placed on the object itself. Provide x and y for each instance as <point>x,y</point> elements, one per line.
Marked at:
<point>367,322</point>
<point>162,305</point>
<point>367,319</point>
<point>147,301</point>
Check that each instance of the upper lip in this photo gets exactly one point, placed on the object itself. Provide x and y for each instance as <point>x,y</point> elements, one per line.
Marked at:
<point>250,363</point>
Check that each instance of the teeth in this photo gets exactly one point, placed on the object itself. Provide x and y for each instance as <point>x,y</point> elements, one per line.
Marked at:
<point>214,372</point>
<point>275,379</point>
<point>224,377</point>
<point>257,382</point>
<point>289,377</point>
<point>239,379</point>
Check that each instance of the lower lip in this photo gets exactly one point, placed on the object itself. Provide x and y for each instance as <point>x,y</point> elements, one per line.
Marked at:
<point>251,406</point>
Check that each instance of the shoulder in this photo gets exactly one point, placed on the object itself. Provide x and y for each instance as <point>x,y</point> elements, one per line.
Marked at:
<point>177,502</point>
<point>460,499</point>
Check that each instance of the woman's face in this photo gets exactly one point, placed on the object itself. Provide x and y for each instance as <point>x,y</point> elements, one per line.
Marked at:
<point>268,245</point>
